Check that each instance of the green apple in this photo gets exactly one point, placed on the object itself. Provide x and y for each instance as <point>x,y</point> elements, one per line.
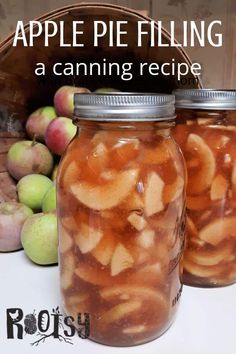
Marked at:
<point>32,189</point>
<point>12,217</point>
<point>49,201</point>
<point>38,122</point>
<point>39,238</point>
<point>27,157</point>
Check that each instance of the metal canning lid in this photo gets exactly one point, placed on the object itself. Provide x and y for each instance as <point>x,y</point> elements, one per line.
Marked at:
<point>125,107</point>
<point>205,99</point>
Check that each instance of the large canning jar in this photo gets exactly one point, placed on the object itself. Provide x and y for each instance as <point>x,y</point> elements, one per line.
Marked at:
<point>121,198</point>
<point>206,132</point>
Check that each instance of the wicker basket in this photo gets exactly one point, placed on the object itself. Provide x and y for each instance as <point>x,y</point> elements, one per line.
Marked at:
<point>29,91</point>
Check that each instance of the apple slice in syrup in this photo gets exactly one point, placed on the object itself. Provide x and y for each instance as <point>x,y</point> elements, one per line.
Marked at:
<point>218,230</point>
<point>203,176</point>
<point>153,202</point>
<point>109,195</point>
<point>219,188</point>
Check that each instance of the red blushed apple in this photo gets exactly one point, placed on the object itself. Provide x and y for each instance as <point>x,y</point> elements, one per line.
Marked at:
<point>59,133</point>
<point>64,99</point>
<point>38,122</point>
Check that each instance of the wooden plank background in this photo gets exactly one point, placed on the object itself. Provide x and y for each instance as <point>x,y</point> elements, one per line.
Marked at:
<point>219,64</point>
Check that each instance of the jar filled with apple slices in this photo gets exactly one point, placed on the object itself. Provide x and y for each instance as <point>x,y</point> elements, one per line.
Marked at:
<point>206,133</point>
<point>121,199</point>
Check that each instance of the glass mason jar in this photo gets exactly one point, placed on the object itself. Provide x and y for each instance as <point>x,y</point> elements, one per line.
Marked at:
<point>121,196</point>
<point>206,132</point>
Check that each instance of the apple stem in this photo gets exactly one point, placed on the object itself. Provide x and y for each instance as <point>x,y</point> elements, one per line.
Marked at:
<point>34,140</point>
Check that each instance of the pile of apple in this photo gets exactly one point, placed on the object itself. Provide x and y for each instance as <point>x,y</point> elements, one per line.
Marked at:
<point>31,222</point>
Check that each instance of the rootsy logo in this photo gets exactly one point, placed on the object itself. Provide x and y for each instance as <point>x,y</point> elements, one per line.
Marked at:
<point>46,324</point>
